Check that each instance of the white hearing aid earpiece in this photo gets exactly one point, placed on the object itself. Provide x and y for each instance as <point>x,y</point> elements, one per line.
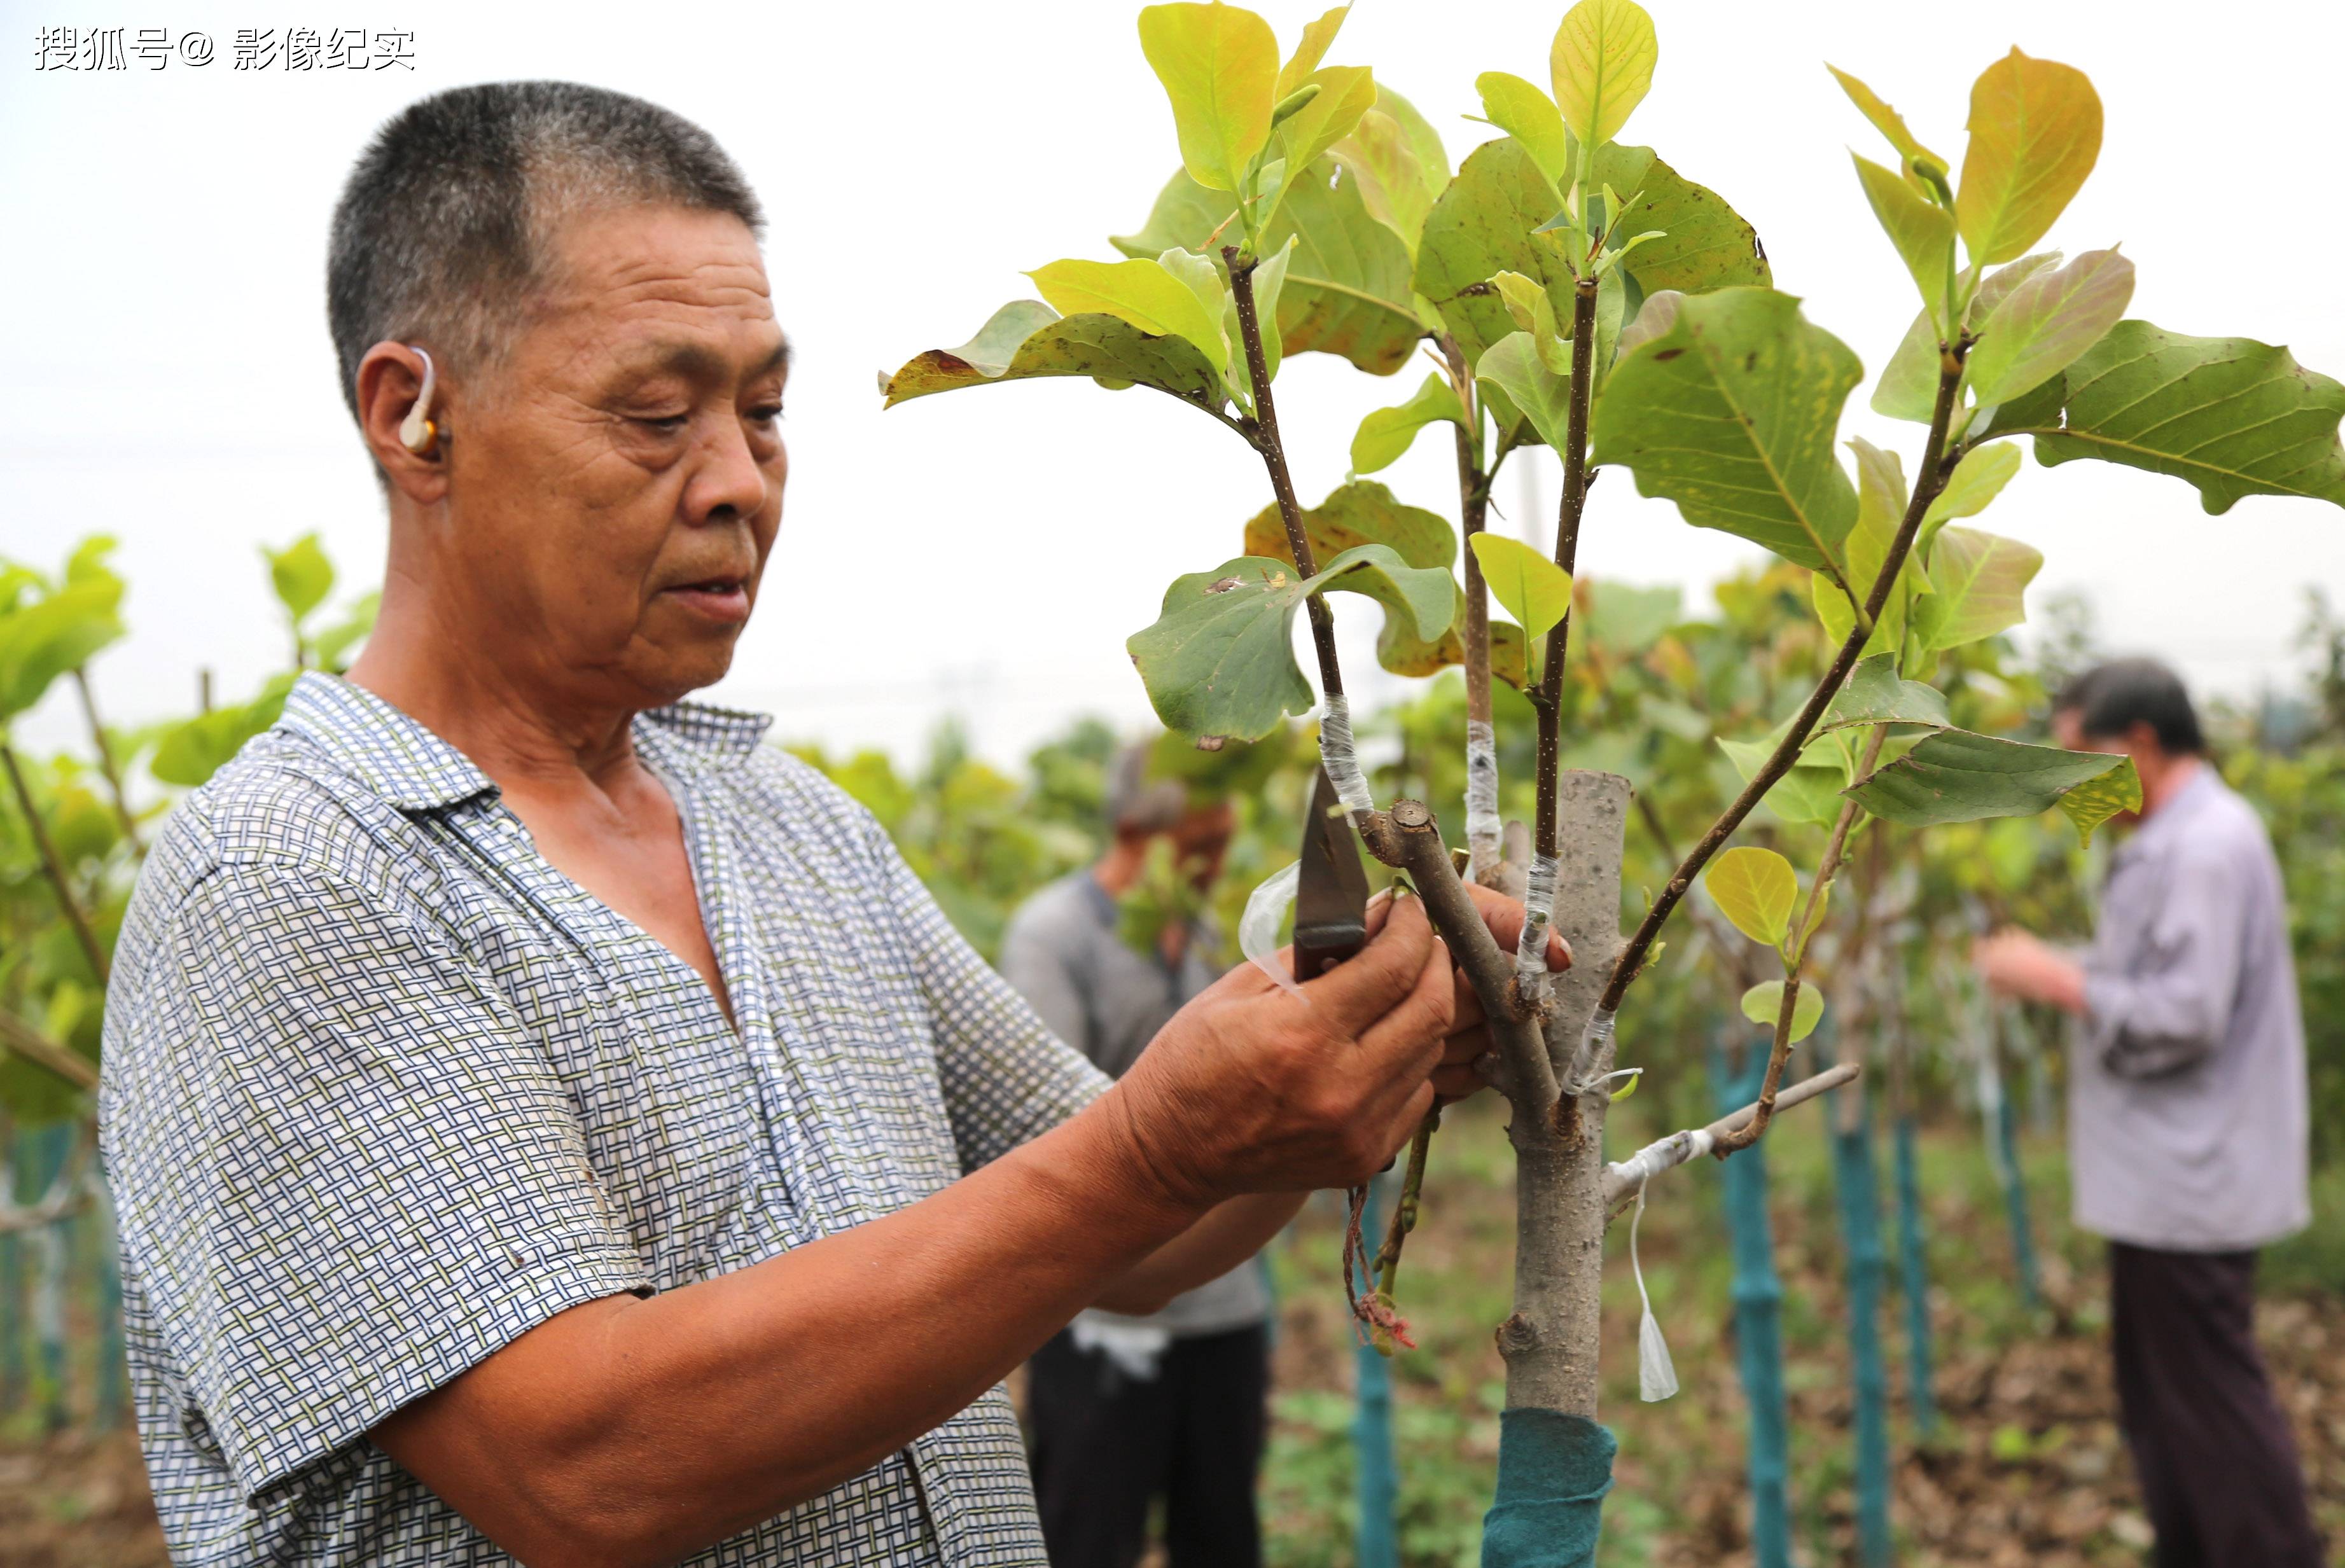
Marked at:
<point>417,432</point>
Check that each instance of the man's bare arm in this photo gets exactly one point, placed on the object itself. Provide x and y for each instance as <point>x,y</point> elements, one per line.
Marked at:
<point>631,1430</point>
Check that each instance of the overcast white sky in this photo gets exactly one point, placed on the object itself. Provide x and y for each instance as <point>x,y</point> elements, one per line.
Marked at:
<point>165,374</point>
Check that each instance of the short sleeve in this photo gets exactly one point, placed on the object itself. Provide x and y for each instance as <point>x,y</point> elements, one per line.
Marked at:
<point>1006,1076</point>
<point>345,1171</point>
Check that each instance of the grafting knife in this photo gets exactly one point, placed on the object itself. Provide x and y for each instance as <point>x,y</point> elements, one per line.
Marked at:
<point>1331,897</point>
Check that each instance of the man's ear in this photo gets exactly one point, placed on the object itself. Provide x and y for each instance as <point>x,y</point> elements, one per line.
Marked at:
<point>391,385</point>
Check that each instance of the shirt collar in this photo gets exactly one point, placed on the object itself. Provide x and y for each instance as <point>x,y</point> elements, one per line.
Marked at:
<point>407,763</point>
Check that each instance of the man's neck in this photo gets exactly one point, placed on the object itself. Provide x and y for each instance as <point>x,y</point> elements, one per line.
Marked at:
<point>2169,780</point>
<point>1119,868</point>
<point>527,740</point>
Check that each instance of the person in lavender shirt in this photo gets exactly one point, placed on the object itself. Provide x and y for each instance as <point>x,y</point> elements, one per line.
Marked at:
<point>2188,1118</point>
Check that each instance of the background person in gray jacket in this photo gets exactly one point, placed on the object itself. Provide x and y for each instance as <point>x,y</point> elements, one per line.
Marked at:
<point>2188,1122</point>
<point>1128,1410</point>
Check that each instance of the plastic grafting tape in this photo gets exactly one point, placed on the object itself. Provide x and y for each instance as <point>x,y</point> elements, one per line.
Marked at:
<point>1539,911</point>
<point>1265,910</point>
<point>1482,826</point>
<point>1343,763</point>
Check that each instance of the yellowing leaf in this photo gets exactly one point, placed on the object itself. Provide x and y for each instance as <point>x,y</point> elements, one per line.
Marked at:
<point>1346,93</point>
<point>1387,433</point>
<point>2046,324</point>
<point>1518,109</point>
<point>1312,48</point>
<point>1763,1005</point>
<point>1219,65</point>
<point>1534,591</point>
<point>2035,132</point>
<point>1980,578</point>
<point>1888,122</point>
<point>1756,889</point>
<point>1602,65</point>
<point>1976,481</point>
<point>1141,293</point>
<point>1392,183</point>
<point>1923,231</point>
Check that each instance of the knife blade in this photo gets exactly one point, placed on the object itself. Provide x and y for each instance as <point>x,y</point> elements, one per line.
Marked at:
<point>1331,896</point>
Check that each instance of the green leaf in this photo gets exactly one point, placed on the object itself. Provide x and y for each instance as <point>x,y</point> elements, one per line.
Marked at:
<point>301,576</point>
<point>1754,889</point>
<point>1111,352</point>
<point>2096,801</point>
<point>59,631</point>
<point>188,753</point>
<point>1890,124</point>
<point>2035,134</point>
<point>331,644</point>
<point>1312,48</point>
<point>1908,388</point>
<point>1347,282</point>
<point>1763,1005</point>
<point>1626,621</point>
<point>1346,93</point>
<point>1219,65</point>
<point>1269,283</point>
<point>1976,481</point>
<point>1922,230</point>
<point>1365,512</point>
<point>1882,498</point>
<point>1540,395</point>
<point>1220,658</point>
<point>1534,589</point>
<point>1145,294</point>
<point>2046,323</point>
<point>2234,416</point>
<point>1809,791</point>
<point>1732,414</point>
<point>1602,65</point>
<point>1875,694</point>
<point>1978,578</point>
<point>1486,223</point>
<point>1527,114</point>
<point>1534,312</point>
<point>1957,776</point>
<point>1387,433</point>
<point>1392,183</point>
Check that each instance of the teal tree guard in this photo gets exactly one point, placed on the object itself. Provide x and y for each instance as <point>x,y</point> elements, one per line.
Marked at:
<point>1915,1280</point>
<point>1757,1309</point>
<point>1377,1544</point>
<point>1859,1222</point>
<point>2003,1126</point>
<point>112,1394</point>
<point>15,1380</point>
<point>1553,1472</point>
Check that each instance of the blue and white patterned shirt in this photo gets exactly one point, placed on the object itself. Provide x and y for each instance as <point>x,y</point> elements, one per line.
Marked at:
<point>384,1090</point>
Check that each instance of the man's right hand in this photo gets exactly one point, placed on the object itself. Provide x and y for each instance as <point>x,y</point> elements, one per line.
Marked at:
<point>1252,1089</point>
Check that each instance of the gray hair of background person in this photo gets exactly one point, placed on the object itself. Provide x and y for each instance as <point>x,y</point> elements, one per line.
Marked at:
<point>1139,802</point>
<point>2109,698</point>
<point>441,232</point>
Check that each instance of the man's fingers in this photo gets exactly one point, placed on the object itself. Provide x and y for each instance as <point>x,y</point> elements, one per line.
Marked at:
<point>1363,990</point>
<point>1411,1034</point>
<point>1504,916</point>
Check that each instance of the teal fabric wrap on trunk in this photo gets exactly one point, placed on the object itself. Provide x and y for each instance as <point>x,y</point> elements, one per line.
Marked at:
<point>1553,1472</point>
<point>1758,1312</point>
<point>1914,1282</point>
<point>1379,1546</point>
<point>1860,1221</point>
<point>2014,1199</point>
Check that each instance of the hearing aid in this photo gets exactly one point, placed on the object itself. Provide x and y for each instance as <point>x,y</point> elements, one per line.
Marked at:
<point>418,433</point>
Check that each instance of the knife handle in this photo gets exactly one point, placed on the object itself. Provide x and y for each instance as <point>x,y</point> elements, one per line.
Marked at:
<point>1319,949</point>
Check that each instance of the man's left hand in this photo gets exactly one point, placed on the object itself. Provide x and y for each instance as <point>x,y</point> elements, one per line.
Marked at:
<point>1470,1038</point>
<point>2016,964</point>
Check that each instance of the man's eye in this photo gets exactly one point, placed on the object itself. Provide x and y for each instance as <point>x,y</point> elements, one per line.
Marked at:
<point>766,415</point>
<point>667,424</point>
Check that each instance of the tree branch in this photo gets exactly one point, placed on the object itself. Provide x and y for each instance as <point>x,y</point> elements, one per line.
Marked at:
<point>1545,839</point>
<point>1620,1178</point>
<point>36,1047</point>
<point>106,760</point>
<point>56,868</point>
<point>1927,484</point>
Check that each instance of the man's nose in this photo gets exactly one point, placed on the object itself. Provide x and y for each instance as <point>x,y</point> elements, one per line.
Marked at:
<point>728,482</point>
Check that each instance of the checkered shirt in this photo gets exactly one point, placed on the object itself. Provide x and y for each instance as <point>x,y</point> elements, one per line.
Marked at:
<point>384,1090</point>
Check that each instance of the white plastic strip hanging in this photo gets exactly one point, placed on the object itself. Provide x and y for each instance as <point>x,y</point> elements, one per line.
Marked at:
<point>1343,762</point>
<point>1266,911</point>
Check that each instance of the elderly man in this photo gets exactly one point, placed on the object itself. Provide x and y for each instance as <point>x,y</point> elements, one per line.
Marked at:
<point>544,1120</point>
<point>1126,1411</point>
<point>2188,1115</point>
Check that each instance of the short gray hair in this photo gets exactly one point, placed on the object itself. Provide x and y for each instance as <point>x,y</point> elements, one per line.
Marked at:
<point>1140,802</point>
<point>441,232</point>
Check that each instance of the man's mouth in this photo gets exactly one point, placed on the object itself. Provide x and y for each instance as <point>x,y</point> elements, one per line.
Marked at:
<point>721,599</point>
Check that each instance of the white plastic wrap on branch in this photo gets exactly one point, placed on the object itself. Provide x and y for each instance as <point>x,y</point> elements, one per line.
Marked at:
<point>1591,1050</point>
<point>1342,762</point>
<point>1539,910</point>
<point>1662,1154</point>
<point>1482,824</point>
<point>1265,910</point>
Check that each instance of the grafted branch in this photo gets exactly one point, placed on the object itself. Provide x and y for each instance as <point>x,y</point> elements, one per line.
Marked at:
<point>1938,458</point>
<point>1620,1178</point>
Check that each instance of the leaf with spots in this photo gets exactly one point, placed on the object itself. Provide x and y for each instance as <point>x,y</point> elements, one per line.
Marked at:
<point>1026,339</point>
